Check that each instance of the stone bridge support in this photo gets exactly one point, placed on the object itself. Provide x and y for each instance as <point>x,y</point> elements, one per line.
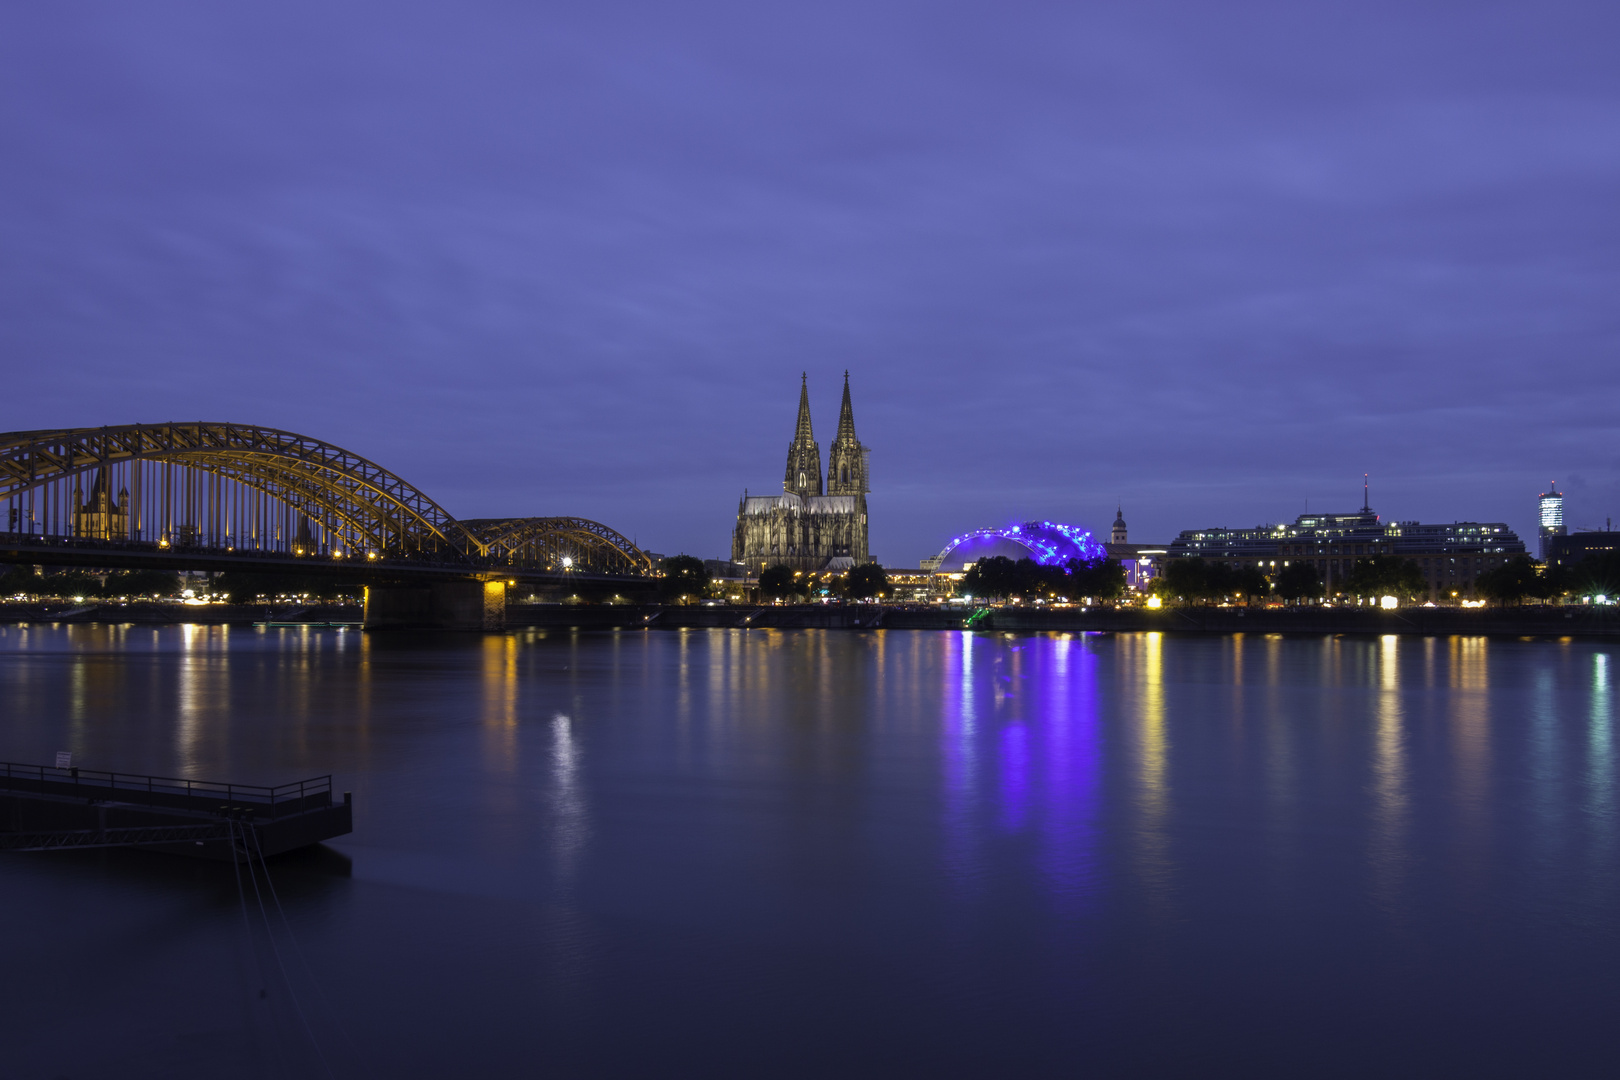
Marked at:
<point>447,605</point>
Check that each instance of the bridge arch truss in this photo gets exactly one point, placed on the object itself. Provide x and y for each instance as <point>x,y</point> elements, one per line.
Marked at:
<point>243,488</point>
<point>559,544</point>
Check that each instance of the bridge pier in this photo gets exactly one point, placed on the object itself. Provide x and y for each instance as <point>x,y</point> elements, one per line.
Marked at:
<point>445,605</point>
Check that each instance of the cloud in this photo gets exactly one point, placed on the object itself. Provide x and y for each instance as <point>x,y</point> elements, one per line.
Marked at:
<point>1210,260</point>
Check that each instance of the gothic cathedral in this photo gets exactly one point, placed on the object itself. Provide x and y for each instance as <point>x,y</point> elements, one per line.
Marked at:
<point>803,528</point>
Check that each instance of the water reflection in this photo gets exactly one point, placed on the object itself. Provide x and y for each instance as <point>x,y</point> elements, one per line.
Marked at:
<point>1600,766</point>
<point>1390,809</point>
<point>1152,837</point>
<point>500,705</point>
<point>1071,748</point>
<point>570,824</point>
<point>1471,742</point>
<point>959,759</point>
<point>563,837</point>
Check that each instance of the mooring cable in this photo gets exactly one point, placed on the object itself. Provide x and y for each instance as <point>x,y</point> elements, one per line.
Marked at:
<point>303,960</point>
<point>247,927</point>
<point>292,995</point>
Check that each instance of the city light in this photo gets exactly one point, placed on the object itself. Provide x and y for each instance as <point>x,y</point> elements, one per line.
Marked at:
<point>1155,602</point>
<point>1049,543</point>
<point>1388,603</point>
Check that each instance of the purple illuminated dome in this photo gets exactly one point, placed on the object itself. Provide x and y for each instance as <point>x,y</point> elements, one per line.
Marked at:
<point>1047,542</point>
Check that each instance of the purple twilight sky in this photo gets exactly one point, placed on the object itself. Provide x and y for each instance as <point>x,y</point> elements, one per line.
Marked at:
<point>1208,259</point>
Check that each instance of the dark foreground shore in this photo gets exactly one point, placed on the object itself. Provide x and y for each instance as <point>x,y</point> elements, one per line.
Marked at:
<point>1522,622</point>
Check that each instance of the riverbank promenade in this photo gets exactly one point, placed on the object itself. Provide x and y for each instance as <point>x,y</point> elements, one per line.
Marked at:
<point>1528,621</point>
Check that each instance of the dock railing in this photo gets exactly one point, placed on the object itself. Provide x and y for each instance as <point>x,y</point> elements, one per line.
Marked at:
<point>274,801</point>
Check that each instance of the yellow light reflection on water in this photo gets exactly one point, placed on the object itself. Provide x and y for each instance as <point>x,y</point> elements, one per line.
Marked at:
<point>500,705</point>
<point>1152,781</point>
<point>1470,723</point>
<point>1390,810</point>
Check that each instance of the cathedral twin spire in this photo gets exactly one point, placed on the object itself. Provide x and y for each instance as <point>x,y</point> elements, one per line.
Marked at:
<point>846,465</point>
<point>803,476</point>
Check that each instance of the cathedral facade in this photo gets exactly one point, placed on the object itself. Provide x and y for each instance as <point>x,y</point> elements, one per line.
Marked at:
<point>810,526</point>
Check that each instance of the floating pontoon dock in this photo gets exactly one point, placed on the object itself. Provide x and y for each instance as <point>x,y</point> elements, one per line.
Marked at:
<point>46,809</point>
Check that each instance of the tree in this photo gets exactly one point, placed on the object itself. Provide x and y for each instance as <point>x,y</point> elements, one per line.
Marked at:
<point>777,582</point>
<point>1299,581</point>
<point>1100,579</point>
<point>1250,582</point>
<point>1195,581</point>
<point>1598,574</point>
<point>866,581</point>
<point>142,583</point>
<point>995,576</point>
<point>68,583</point>
<point>246,587</point>
<point>1185,579</point>
<point>1511,582</point>
<point>684,576</point>
<point>1386,575</point>
<point>20,581</point>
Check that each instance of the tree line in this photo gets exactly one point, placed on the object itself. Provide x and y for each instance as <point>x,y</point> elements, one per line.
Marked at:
<point>865,582</point>
<point>1000,577</point>
<point>1517,581</point>
<point>233,586</point>
<point>67,584</point>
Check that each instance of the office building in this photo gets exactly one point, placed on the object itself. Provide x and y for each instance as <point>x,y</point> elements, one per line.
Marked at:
<point>1551,522</point>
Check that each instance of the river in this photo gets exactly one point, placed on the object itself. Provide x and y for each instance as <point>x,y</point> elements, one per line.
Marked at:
<point>832,854</point>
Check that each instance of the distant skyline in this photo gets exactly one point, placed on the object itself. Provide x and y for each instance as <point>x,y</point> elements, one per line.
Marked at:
<point>1202,261</point>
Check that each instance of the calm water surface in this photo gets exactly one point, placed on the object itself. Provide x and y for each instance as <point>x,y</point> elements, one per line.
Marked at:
<point>834,854</point>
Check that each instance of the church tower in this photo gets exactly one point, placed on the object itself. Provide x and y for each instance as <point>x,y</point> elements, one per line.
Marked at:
<point>846,465</point>
<point>847,477</point>
<point>1118,536</point>
<point>803,476</point>
<point>804,528</point>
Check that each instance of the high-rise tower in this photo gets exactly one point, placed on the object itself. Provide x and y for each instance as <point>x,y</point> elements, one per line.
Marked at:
<point>1552,517</point>
<point>803,476</point>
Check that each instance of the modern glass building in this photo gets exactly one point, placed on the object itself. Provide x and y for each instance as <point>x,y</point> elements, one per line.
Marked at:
<point>1552,517</point>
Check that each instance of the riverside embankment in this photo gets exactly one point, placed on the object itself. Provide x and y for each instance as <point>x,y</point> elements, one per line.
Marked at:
<point>161,613</point>
<point>1582,621</point>
<point>1527,621</point>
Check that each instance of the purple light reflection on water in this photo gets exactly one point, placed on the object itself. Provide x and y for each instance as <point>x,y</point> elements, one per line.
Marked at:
<point>1014,777</point>
<point>1072,765</point>
<point>958,758</point>
<point>1021,756</point>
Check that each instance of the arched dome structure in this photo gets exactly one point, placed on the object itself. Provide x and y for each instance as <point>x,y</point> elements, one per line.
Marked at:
<point>1049,543</point>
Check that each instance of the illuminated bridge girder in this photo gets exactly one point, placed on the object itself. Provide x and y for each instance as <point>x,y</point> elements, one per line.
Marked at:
<point>544,543</point>
<point>244,488</point>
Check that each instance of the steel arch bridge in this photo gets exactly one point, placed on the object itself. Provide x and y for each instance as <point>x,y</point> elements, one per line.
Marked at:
<point>558,543</point>
<point>247,492</point>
